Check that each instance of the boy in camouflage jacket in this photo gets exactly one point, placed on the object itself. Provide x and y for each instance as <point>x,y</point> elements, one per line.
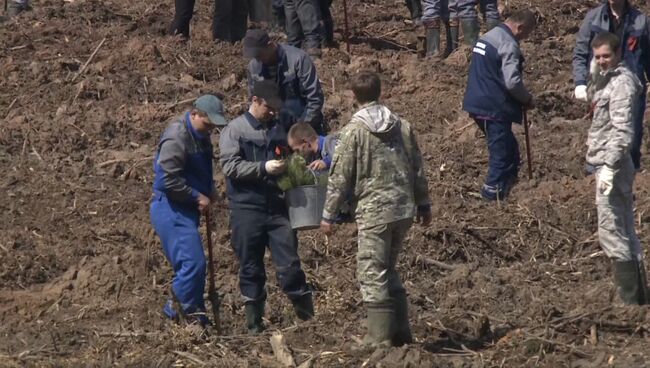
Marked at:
<point>379,160</point>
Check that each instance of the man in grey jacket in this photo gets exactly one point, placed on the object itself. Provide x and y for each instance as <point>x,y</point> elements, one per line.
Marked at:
<point>293,72</point>
<point>251,157</point>
<point>614,92</point>
<point>496,96</point>
<point>633,29</point>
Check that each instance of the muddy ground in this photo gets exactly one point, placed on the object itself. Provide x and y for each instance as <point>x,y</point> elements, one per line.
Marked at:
<point>82,277</point>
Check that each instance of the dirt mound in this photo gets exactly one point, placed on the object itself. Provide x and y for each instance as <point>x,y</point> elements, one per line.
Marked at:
<point>82,277</point>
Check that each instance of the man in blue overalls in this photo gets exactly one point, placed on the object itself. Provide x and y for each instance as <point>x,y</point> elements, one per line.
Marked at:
<point>182,189</point>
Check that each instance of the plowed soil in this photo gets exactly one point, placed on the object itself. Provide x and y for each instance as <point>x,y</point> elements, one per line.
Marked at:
<point>82,276</point>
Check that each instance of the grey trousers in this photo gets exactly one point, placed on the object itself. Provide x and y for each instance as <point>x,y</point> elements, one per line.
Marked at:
<point>616,215</point>
<point>303,23</point>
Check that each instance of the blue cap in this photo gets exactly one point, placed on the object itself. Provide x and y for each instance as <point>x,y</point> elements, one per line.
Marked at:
<point>213,107</point>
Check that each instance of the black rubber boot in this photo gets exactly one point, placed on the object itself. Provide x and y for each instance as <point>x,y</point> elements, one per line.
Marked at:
<point>254,314</point>
<point>14,8</point>
<point>630,282</point>
<point>471,30</point>
<point>304,307</point>
<point>381,325</point>
<point>452,36</point>
<point>402,328</point>
<point>433,42</point>
<point>491,23</point>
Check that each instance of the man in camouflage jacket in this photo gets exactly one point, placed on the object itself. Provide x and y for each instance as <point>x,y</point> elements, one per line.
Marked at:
<point>614,92</point>
<point>379,160</point>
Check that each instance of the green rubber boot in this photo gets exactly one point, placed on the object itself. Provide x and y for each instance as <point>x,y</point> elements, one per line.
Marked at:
<point>381,325</point>
<point>491,23</point>
<point>433,42</point>
<point>254,313</point>
<point>471,30</point>
<point>402,328</point>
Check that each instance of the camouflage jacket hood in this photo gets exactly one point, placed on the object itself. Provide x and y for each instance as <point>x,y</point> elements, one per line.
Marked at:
<point>379,161</point>
<point>376,118</point>
<point>614,96</point>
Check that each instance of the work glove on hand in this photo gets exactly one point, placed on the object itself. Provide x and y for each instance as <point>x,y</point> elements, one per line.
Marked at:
<point>605,180</point>
<point>275,167</point>
<point>581,93</point>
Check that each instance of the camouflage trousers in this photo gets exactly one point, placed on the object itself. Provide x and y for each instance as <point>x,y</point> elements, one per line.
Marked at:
<point>616,215</point>
<point>379,247</point>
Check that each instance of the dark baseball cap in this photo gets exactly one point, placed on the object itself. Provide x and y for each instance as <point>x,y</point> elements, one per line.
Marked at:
<point>255,41</point>
<point>269,91</point>
<point>213,107</point>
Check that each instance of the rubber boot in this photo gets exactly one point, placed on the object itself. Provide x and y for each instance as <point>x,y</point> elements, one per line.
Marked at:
<point>381,325</point>
<point>433,42</point>
<point>452,36</point>
<point>491,23</point>
<point>254,314</point>
<point>471,30</point>
<point>304,307</point>
<point>628,278</point>
<point>402,328</point>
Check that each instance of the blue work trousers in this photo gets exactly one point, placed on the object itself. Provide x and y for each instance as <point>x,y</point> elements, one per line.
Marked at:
<point>252,232</point>
<point>504,160</point>
<point>177,226</point>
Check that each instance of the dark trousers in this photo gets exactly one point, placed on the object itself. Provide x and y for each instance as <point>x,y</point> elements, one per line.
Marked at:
<point>635,150</point>
<point>328,21</point>
<point>230,20</point>
<point>182,17</point>
<point>252,232</point>
<point>303,23</point>
<point>279,20</point>
<point>503,163</point>
<point>415,8</point>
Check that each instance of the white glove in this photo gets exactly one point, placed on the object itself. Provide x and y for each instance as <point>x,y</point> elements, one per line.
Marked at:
<point>581,93</point>
<point>275,167</point>
<point>605,179</point>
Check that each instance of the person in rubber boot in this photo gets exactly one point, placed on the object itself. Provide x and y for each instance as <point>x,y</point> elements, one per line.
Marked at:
<point>183,188</point>
<point>378,159</point>
<point>465,11</point>
<point>230,19</point>
<point>435,14</point>
<point>293,72</point>
<point>614,92</point>
<point>251,158</point>
<point>633,29</point>
<point>496,96</point>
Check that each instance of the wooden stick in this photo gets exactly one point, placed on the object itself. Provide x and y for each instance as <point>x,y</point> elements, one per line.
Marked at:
<point>346,35</point>
<point>10,106</point>
<point>432,262</point>
<point>83,68</point>
<point>528,158</point>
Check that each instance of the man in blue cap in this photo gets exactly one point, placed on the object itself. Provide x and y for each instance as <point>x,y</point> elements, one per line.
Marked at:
<point>183,188</point>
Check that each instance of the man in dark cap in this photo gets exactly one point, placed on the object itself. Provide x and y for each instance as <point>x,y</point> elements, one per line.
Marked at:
<point>293,72</point>
<point>251,157</point>
<point>183,188</point>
